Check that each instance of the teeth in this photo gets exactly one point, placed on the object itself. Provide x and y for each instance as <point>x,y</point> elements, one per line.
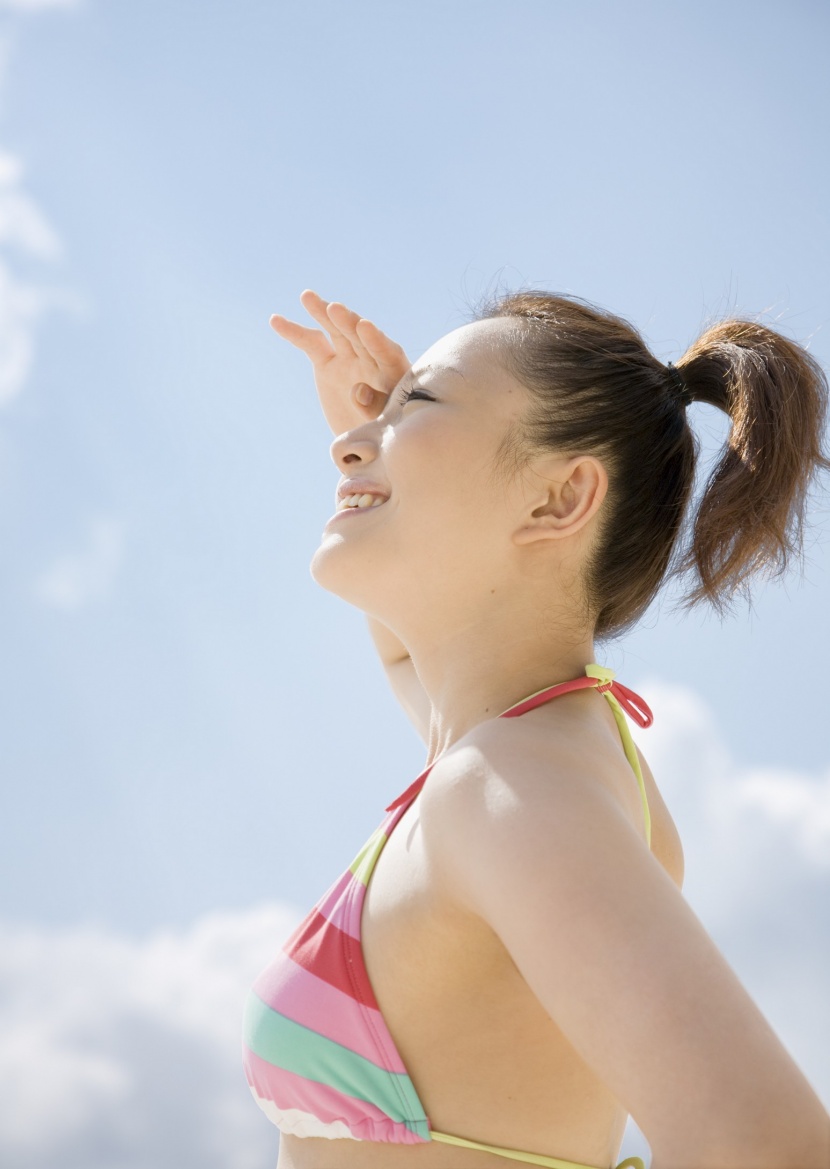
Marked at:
<point>364,500</point>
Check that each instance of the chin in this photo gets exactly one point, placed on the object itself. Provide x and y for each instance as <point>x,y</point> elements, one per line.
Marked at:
<point>330,569</point>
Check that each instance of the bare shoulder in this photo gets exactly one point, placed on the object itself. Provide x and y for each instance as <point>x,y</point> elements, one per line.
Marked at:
<point>537,784</point>
<point>525,829</point>
<point>553,769</point>
<point>548,771</point>
<point>511,760</point>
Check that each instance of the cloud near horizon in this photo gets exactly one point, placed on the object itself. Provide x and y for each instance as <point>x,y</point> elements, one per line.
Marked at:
<point>119,1052</point>
<point>757,847</point>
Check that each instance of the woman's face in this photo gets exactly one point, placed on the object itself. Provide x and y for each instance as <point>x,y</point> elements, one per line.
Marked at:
<point>443,535</point>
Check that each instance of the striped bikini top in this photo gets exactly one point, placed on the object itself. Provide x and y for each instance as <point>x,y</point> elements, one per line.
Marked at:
<point>317,1053</point>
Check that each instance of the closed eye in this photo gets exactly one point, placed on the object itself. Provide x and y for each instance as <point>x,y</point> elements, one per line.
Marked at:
<point>410,394</point>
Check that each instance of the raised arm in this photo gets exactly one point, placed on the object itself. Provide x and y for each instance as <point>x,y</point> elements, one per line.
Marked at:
<point>355,368</point>
<point>531,838</point>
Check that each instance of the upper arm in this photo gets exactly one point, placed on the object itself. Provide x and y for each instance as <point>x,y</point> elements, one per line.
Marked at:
<point>407,688</point>
<point>608,944</point>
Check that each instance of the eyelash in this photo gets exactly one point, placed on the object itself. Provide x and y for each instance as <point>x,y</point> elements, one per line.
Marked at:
<point>415,394</point>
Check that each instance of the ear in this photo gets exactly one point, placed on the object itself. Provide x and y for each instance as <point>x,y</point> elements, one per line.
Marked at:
<point>569,493</point>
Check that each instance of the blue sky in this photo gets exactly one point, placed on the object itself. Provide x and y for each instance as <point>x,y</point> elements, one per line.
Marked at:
<point>194,732</point>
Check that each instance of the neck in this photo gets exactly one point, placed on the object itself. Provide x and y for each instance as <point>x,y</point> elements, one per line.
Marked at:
<point>485,664</point>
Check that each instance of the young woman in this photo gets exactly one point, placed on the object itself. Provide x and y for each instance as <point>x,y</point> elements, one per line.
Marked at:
<point>522,971</point>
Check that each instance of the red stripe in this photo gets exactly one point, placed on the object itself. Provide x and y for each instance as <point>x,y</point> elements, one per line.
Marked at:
<point>330,954</point>
<point>409,795</point>
<point>306,999</point>
<point>338,906</point>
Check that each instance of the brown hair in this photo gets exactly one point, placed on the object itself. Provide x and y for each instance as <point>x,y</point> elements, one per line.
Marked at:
<point>597,388</point>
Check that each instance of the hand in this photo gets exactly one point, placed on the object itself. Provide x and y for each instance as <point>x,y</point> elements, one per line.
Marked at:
<point>354,372</point>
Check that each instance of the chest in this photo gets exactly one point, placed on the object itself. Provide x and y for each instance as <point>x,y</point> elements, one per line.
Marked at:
<point>423,955</point>
<point>452,997</point>
<point>465,1022</point>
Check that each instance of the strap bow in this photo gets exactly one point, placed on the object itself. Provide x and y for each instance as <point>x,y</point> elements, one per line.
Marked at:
<point>633,705</point>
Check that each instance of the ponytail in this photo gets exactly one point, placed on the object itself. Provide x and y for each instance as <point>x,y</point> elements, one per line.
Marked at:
<point>596,388</point>
<point>751,516</point>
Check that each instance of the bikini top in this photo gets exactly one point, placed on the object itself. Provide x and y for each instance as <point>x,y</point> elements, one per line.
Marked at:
<point>317,1054</point>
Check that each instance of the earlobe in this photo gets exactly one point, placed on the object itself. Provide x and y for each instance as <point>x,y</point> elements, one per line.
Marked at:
<point>571,494</point>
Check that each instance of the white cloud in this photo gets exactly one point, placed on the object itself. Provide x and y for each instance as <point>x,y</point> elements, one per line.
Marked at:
<point>799,804</point>
<point>125,1053</point>
<point>119,1053</point>
<point>22,224</point>
<point>757,847</point>
<point>23,229</point>
<point>76,579</point>
<point>20,307</point>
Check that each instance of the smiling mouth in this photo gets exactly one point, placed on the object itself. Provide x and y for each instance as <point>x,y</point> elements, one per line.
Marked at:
<point>365,502</point>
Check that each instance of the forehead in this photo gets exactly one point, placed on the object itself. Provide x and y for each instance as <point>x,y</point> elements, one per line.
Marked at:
<point>470,350</point>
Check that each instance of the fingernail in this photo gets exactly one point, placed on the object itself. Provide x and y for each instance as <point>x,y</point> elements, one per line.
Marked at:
<point>364,394</point>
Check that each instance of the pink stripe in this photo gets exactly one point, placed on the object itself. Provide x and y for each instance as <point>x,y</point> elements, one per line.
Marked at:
<point>300,995</point>
<point>340,909</point>
<point>287,1090</point>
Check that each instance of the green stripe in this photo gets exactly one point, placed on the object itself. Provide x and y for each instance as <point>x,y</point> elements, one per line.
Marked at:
<point>295,1048</point>
<point>362,865</point>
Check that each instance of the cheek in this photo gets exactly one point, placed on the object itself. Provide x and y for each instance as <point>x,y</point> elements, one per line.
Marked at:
<point>442,486</point>
<point>428,473</point>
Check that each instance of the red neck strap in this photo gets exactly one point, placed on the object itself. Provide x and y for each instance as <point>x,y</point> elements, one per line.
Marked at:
<point>633,705</point>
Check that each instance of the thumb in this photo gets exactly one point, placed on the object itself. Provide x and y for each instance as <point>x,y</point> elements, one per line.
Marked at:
<point>371,401</point>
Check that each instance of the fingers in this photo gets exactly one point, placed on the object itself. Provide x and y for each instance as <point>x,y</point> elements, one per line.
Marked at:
<point>390,357</point>
<point>351,336</point>
<point>317,308</point>
<point>311,341</point>
<point>346,321</point>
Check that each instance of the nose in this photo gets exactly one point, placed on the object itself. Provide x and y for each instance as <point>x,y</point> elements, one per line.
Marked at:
<point>359,445</point>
